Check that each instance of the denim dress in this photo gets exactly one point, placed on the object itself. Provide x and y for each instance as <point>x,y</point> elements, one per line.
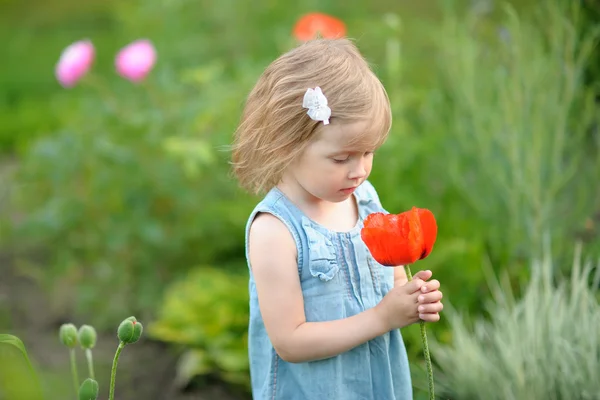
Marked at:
<point>339,279</point>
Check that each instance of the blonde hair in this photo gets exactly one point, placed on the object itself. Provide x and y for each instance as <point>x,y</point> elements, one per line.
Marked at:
<point>275,128</point>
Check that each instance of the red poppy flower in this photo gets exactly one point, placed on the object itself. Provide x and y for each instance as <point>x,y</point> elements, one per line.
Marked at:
<point>312,25</point>
<point>400,239</point>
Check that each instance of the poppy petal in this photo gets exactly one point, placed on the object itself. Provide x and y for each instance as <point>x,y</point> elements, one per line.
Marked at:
<point>414,235</point>
<point>429,229</point>
<point>376,235</point>
<point>393,239</point>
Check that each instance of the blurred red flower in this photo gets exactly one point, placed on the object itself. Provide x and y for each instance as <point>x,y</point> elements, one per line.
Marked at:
<point>314,25</point>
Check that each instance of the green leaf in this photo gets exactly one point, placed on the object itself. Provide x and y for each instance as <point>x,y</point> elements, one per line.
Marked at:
<point>18,380</point>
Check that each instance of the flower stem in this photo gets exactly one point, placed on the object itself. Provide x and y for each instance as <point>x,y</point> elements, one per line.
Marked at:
<point>425,346</point>
<point>427,359</point>
<point>408,273</point>
<point>109,98</point>
<point>113,372</point>
<point>74,370</point>
<point>90,362</point>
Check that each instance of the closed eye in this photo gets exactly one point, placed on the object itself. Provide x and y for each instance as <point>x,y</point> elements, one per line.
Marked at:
<point>338,161</point>
<point>343,160</point>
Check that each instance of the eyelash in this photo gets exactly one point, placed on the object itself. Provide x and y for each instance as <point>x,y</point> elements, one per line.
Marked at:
<point>341,161</point>
<point>347,159</point>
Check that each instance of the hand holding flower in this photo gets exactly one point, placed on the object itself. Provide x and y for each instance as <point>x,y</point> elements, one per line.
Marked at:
<point>429,298</point>
<point>402,239</point>
<point>398,308</point>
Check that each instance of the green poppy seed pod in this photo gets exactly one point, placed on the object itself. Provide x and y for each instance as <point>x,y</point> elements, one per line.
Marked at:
<point>88,390</point>
<point>130,330</point>
<point>68,335</point>
<point>87,336</point>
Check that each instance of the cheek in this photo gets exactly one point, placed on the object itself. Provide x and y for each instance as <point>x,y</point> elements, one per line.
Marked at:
<point>328,173</point>
<point>369,165</point>
<point>318,170</point>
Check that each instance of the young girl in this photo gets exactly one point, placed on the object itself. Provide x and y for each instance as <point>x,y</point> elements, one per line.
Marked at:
<point>324,315</point>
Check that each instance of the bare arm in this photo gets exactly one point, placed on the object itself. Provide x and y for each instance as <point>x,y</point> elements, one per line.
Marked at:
<point>272,252</point>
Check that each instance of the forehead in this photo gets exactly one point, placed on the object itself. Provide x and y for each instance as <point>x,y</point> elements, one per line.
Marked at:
<point>351,136</point>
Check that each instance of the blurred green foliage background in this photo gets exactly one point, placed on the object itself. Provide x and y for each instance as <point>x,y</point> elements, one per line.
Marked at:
<point>116,198</point>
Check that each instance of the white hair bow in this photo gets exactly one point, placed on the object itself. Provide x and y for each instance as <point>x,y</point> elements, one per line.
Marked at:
<point>316,102</point>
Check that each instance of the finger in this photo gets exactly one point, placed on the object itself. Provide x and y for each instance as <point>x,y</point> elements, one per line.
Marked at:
<point>424,275</point>
<point>413,286</point>
<point>430,286</point>
<point>432,308</point>
<point>430,297</point>
<point>429,317</point>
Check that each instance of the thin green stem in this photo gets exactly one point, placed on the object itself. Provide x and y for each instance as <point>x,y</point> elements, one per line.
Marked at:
<point>425,346</point>
<point>113,372</point>
<point>90,363</point>
<point>155,98</point>
<point>408,273</point>
<point>106,95</point>
<point>74,370</point>
<point>427,360</point>
<point>93,81</point>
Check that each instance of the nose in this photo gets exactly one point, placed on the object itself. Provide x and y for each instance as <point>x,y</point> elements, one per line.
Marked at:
<point>359,169</point>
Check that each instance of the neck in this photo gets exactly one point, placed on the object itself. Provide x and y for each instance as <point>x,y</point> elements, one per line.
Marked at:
<point>335,216</point>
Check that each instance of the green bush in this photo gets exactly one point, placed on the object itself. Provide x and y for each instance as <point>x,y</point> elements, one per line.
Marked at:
<point>133,192</point>
<point>544,345</point>
<point>206,314</point>
<point>501,142</point>
<point>519,120</point>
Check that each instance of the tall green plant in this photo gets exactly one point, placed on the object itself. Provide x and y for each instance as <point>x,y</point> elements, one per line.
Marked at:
<point>18,380</point>
<point>544,345</point>
<point>130,194</point>
<point>517,118</point>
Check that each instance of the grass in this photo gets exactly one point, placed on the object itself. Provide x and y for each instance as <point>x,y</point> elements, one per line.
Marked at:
<point>543,345</point>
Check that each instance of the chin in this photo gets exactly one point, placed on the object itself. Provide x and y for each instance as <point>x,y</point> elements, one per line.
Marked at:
<point>332,197</point>
<point>339,197</point>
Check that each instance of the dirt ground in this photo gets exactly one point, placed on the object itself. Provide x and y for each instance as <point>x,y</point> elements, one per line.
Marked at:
<point>146,369</point>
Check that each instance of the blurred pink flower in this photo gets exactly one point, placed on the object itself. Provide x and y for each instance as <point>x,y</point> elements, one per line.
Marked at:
<point>74,62</point>
<point>135,61</point>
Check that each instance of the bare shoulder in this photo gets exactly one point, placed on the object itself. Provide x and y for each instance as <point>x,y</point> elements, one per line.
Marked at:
<point>270,238</point>
<point>266,224</point>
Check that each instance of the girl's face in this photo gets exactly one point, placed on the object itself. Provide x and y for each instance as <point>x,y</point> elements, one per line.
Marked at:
<point>331,167</point>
